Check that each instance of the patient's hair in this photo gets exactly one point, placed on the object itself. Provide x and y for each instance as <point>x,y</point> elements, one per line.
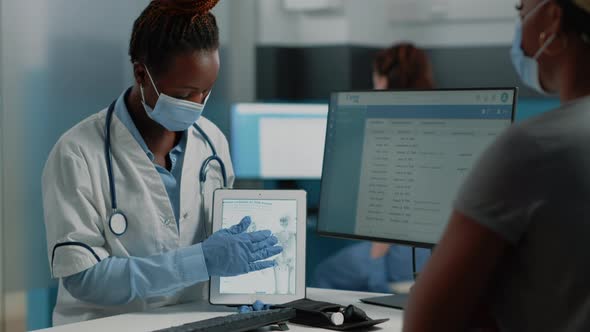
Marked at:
<point>576,18</point>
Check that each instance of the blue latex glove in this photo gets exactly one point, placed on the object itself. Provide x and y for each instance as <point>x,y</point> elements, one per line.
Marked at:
<point>257,306</point>
<point>231,252</point>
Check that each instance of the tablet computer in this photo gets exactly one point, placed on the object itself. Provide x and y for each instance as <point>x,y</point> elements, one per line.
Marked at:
<point>283,212</point>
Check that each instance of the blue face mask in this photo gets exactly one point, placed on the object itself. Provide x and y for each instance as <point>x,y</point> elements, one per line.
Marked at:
<point>528,67</point>
<point>173,114</point>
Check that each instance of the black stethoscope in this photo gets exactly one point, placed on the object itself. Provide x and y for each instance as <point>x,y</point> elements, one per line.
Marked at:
<point>117,220</point>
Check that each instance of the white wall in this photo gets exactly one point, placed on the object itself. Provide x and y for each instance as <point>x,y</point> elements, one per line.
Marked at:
<point>61,61</point>
<point>430,23</point>
<point>237,22</point>
<point>279,27</point>
<point>241,46</point>
<point>2,313</point>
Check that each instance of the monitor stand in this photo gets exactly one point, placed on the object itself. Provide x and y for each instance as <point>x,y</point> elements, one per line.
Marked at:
<point>397,301</point>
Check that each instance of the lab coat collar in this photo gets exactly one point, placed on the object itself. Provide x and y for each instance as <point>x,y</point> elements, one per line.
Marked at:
<point>123,142</point>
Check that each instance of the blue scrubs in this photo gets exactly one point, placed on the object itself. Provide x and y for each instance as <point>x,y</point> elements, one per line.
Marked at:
<point>352,268</point>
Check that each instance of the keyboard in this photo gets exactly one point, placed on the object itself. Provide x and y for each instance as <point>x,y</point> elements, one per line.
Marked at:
<point>236,322</point>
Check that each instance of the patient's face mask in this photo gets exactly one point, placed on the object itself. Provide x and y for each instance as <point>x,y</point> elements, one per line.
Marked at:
<point>528,67</point>
<point>172,113</point>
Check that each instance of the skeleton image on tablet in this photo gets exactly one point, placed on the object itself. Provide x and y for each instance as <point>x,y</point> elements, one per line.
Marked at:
<point>280,217</point>
<point>285,270</point>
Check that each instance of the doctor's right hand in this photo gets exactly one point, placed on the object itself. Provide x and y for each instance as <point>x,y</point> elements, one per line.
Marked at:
<point>231,252</point>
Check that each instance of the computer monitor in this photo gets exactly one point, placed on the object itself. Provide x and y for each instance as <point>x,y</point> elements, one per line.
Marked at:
<point>278,141</point>
<point>394,161</point>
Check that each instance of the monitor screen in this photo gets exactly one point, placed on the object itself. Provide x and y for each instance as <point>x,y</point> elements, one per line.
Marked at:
<point>278,141</point>
<point>394,161</point>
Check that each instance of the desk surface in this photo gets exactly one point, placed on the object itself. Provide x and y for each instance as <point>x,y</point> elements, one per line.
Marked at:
<point>186,313</point>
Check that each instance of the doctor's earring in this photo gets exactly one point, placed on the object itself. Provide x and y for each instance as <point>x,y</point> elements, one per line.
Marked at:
<point>545,37</point>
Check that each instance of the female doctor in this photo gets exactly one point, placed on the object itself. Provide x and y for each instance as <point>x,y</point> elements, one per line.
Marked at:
<point>127,192</point>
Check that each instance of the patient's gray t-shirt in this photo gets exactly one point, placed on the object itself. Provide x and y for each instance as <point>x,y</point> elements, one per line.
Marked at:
<point>532,187</point>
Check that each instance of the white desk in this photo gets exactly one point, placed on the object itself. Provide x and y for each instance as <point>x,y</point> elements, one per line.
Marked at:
<point>186,313</point>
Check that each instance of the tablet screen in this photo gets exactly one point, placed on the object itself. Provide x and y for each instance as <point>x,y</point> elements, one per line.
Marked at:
<point>280,217</point>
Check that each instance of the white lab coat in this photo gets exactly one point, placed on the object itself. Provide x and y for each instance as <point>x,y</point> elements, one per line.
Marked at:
<point>77,205</point>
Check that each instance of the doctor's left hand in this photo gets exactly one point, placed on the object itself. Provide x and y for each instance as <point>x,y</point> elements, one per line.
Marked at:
<point>231,252</point>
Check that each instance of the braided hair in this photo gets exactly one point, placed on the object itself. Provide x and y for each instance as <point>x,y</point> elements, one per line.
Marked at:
<point>167,28</point>
<point>405,66</point>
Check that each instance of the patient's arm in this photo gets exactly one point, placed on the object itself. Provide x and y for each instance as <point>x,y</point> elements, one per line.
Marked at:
<point>454,286</point>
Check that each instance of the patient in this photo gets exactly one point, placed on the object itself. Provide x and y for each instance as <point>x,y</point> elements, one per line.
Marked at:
<point>374,266</point>
<point>516,244</point>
